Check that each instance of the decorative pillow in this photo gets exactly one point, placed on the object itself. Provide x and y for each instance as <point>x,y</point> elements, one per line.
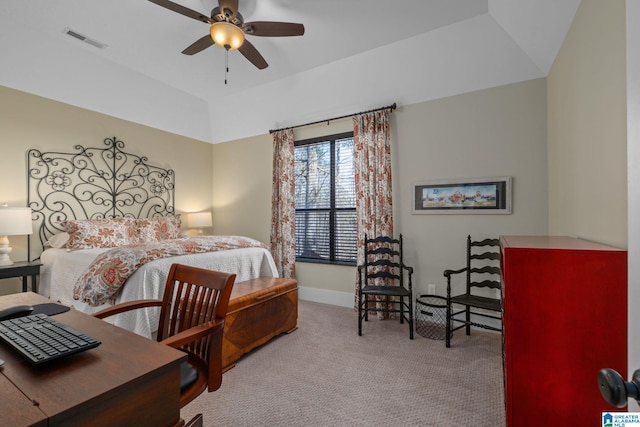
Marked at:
<point>99,233</point>
<point>158,228</point>
<point>58,240</point>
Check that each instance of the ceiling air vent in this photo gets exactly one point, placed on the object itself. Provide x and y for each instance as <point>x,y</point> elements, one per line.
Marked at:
<point>81,37</point>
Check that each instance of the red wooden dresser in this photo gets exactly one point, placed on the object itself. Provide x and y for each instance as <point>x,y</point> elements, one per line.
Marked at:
<point>565,318</point>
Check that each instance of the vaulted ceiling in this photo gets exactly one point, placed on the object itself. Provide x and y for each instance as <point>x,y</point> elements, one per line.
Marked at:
<point>354,55</point>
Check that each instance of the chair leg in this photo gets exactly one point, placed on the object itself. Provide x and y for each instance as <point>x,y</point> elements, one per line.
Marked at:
<point>401,309</point>
<point>447,331</point>
<point>411,317</point>
<point>196,421</point>
<point>359,314</point>
<point>366,308</point>
<point>468,328</point>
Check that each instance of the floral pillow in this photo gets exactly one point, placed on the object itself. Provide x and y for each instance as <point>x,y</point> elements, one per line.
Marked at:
<point>99,233</point>
<point>158,228</point>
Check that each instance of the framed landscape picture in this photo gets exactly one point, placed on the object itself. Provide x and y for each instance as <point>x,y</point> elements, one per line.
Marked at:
<point>463,196</point>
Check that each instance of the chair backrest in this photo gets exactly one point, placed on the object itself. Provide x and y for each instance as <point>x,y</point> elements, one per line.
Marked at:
<point>194,296</point>
<point>383,262</point>
<point>483,264</point>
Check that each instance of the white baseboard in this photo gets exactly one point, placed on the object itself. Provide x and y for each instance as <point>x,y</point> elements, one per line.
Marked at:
<point>342,299</point>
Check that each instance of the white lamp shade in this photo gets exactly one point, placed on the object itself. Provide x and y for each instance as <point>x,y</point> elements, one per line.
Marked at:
<point>199,220</point>
<point>15,221</point>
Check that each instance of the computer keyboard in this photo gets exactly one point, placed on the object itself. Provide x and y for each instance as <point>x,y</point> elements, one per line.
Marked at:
<point>40,338</point>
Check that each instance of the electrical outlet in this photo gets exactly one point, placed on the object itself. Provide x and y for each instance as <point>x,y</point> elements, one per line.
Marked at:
<point>431,289</point>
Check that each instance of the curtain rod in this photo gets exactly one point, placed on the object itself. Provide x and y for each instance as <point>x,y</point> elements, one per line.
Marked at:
<point>388,107</point>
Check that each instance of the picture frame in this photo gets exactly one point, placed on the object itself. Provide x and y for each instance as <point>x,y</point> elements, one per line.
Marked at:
<point>490,195</point>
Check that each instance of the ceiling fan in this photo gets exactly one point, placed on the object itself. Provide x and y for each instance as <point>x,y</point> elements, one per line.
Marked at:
<point>228,29</point>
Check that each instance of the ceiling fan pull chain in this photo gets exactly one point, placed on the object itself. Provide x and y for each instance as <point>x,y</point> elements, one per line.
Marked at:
<point>226,64</point>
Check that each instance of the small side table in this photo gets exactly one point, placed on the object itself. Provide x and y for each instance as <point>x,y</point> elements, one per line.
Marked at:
<point>23,269</point>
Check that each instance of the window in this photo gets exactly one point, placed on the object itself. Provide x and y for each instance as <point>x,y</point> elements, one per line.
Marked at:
<point>325,200</point>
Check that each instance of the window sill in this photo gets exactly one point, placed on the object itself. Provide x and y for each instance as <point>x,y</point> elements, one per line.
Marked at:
<point>322,261</point>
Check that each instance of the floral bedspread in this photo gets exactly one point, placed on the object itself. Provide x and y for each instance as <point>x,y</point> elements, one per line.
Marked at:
<point>110,270</point>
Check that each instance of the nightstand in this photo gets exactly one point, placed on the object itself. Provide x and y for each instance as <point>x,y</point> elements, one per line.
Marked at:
<point>23,269</point>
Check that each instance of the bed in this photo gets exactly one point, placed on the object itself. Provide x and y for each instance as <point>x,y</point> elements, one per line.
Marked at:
<point>93,204</point>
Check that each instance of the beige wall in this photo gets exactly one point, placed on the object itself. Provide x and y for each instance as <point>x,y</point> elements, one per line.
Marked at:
<point>494,132</point>
<point>587,127</point>
<point>242,187</point>
<point>28,121</point>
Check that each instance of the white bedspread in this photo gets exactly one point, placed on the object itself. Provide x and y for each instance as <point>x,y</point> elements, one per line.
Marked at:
<point>61,270</point>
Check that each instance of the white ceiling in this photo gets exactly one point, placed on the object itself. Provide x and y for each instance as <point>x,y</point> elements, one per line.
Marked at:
<point>355,54</point>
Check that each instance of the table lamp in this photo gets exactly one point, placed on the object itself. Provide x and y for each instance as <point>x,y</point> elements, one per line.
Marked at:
<point>13,222</point>
<point>199,220</point>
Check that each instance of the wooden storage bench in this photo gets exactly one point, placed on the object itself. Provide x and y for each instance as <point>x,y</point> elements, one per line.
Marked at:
<point>259,309</point>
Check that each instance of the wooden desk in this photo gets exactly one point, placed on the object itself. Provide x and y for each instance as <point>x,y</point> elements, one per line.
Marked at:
<point>127,380</point>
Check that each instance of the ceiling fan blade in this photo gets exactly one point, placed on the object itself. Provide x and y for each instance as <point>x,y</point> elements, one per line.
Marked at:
<point>228,7</point>
<point>273,29</point>
<point>252,54</point>
<point>199,45</point>
<point>183,10</point>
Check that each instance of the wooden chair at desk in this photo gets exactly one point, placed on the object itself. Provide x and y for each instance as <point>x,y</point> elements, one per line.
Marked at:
<point>192,315</point>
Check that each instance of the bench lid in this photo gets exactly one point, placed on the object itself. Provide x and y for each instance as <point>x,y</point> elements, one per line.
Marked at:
<point>257,290</point>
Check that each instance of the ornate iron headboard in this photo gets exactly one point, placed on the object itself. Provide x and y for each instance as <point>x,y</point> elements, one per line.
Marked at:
<point>94,183</point>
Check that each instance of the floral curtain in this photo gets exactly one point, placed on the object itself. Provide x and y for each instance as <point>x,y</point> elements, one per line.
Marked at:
<point>371,134</point>
<point>283,212</point>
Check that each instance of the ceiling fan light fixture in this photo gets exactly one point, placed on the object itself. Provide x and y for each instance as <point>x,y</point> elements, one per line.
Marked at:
<point>227,35</point>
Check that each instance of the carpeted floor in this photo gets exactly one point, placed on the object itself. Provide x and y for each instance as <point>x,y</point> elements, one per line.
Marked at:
<point>324,374</point>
